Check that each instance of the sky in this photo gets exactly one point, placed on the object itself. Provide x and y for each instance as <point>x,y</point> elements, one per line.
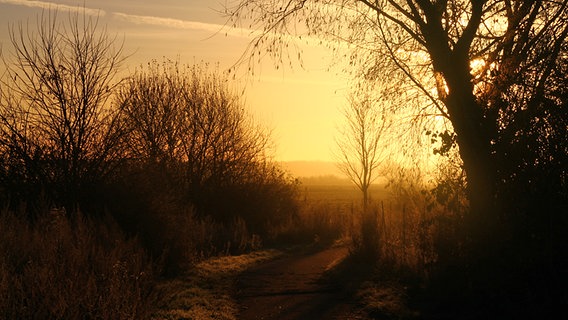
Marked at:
<point>300,105</point>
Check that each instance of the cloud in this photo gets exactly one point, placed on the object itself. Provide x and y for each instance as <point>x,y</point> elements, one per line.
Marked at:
<point>216,28</point>
<point>56,6</point>
<point>184,24</point>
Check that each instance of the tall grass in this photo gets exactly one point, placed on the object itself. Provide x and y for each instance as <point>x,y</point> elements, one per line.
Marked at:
<point>171,231</point>
<point>72,268</point>
<point>416,241</point>
<point>319,222</point>
<point>413,231</point>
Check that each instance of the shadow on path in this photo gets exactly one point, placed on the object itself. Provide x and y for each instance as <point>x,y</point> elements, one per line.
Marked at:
<point>294,287</point>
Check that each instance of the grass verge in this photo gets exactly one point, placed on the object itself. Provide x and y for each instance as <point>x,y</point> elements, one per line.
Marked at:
<point>205,291</point>
<point>378,292</point>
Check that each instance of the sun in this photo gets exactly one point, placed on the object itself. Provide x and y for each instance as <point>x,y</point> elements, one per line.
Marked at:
<point>476,66</point>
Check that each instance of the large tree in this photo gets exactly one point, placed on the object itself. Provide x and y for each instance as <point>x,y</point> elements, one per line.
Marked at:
<point>496,70</point>
<point>473,53</point>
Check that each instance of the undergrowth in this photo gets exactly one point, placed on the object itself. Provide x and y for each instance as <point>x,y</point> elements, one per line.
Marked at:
<point>61,267</point>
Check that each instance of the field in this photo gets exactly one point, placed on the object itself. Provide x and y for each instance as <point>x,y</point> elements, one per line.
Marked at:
<point>330,211</point>
<point>341,195</point>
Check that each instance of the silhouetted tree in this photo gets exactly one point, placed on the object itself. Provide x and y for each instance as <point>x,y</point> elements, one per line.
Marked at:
<point>433,43</point>
<point>151,101</point>
<point>187,126</point>
<point>360,144</point>
<point>496,70</point>
<point>58,131</point>
<point>361,150</point>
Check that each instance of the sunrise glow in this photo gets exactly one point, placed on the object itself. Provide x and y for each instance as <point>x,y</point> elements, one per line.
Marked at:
<point>298,104</point>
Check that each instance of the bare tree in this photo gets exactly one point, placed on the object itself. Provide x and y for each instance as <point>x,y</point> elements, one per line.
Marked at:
<point>187,121</point>
<point>361,151</point>
<point>58,129</point>
<point>361,142</point>
<point>151,102</point>
<point>222,142</point>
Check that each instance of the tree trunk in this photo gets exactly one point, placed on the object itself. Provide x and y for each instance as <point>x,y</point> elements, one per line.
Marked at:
<point>475,152</point>
<point>365,191</point>
<point>473,130</point>
<point>474,138</point>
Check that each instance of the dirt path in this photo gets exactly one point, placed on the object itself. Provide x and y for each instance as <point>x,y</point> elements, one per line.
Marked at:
<point>293,288</point>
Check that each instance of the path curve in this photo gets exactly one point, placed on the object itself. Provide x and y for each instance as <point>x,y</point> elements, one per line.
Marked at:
<point>293,287</point>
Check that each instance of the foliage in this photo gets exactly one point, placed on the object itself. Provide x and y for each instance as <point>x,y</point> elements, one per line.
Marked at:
<point>170,151</point>
<point>318,222</point>
<point>449,184</point>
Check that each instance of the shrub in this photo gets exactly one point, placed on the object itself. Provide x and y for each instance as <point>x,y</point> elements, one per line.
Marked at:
<point>416,228</point>
<point>168,226</point>
<point>190,132</point>
<point>319,222</point>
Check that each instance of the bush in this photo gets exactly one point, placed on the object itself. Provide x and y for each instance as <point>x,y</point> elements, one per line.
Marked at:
<point>415,230</point>
<point>191,142</point>
<point>173,232</point>
<point>320,223</point>
<point>62,268</point>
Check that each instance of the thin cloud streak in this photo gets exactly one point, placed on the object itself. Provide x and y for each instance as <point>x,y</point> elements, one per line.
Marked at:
<point>56,6</point>
<point>215,28</point>
<point>184,24</point>
<point>163,22</point>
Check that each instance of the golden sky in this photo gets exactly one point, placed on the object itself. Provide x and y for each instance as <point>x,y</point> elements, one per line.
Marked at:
<point>300,105</point>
